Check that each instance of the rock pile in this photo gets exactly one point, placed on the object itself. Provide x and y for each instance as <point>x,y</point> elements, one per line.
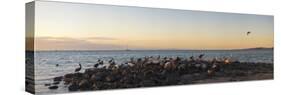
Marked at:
<point>150,71</point>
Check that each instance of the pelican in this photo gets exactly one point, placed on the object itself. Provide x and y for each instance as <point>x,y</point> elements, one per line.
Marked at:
<point>111,61</point>
<point>226,61</point>
<point>96,65</point>
<point>191,58</point>
<point>200,56</point>
<point>79,68</point>
<point>99,63</point>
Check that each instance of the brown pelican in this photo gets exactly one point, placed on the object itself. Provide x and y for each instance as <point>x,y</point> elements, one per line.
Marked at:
<point>79,68</point>
<point>201,56</point>
<point>226,61</point>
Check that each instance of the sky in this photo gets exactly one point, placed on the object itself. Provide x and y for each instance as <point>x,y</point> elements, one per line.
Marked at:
<point>74,26</point>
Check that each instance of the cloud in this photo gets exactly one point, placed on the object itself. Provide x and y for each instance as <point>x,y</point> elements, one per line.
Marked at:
<point>101,38</point>
<point>65,43</point>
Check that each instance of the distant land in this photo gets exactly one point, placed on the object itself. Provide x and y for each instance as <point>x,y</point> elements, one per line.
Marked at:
<point>255,48</point>
<point>258,48</point>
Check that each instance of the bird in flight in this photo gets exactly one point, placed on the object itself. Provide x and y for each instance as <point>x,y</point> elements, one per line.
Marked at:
<point>249,32</point>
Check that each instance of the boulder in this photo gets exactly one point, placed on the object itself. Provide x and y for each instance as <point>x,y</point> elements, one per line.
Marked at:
<point>84,85</point>
<point>58,78</point>
<point>47,84</point>
<point>53,87</point>
<point>73,87</point>
<point>56,82</point>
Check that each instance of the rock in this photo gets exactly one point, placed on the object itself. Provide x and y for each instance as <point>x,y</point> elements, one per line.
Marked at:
<point>109,78</point>
<point>187,77</point>
<point>53,87</point>
<point>197,65</point>
<point>169,66</point>
<point>78,75</point>
<point>90,71</point>
<point>56,82</point>
<point>147,72</point>
<point>73,87</point>
<point>196,74</point>
<point>47,84</point>
<point>204,66</point>
<point>67,80</point>
<point>58,78</point>
<point>68,75</point>
<point>147,83</point>
<point>181,66</point>
<point>84,85</point>
<point>95,78</point>
<point>236,62</point>
<point>95,86</point>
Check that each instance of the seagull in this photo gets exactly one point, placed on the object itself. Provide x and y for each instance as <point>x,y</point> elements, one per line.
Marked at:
<point>249,32</point>
<point>79,68</point>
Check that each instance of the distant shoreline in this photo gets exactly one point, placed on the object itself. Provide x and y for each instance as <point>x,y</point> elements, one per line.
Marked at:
<point>256,48</point>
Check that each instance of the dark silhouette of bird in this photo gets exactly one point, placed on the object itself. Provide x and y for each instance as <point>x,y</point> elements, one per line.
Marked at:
<point>248,33</point>
<point>111,61</point>
<point>100,62</point>
<point>79,68</point>
<point>201,56</point>
<point>191,58</point>
<point>57,65</point>
<point>96,65</point>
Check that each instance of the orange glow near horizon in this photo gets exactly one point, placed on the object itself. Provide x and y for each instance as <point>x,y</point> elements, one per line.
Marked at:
<point>67,26</point>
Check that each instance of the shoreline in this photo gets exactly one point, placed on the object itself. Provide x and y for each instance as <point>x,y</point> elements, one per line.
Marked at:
<point>151,72</point>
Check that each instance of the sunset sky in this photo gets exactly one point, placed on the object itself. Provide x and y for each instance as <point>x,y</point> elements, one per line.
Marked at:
<point>71,26</point>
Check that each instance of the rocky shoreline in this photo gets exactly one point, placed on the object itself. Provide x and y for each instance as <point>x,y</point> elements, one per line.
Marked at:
<point>156,71</point>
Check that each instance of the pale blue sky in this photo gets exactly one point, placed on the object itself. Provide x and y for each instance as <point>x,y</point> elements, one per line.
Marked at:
<point>149,28</point>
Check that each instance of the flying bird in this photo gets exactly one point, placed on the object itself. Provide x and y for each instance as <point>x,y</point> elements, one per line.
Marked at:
<point>249,32</point>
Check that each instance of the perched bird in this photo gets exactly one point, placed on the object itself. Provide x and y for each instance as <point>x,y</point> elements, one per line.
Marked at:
<point>130,64</point>
<point>111,61</point>
<point>96,65</point>
<point>201,56</point>
<point>57,65</point>
<point>191,58</point>
<point>249,32</point>
<point>79,68</point>
<point>100,62</point>
<point>226,61</point>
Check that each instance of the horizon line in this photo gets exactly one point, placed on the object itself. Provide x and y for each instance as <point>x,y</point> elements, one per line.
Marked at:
<point>157,49</point>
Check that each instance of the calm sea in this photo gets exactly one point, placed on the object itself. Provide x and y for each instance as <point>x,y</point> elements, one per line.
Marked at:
<point>46,70</point>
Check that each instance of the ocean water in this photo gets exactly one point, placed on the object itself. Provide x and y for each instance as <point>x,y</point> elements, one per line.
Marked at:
<point>46,69</point>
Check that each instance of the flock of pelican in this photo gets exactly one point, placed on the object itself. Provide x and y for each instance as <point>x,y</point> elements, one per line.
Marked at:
<point>165,62</point>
